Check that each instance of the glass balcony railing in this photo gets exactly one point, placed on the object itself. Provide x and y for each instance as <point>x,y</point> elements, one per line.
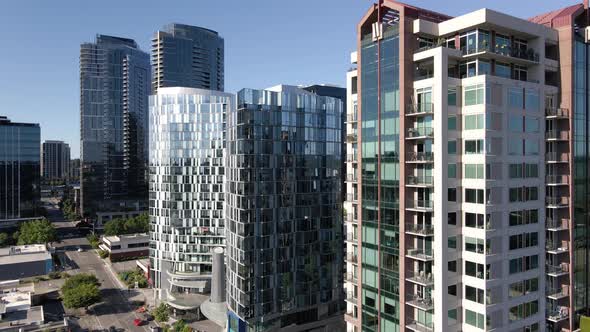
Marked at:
<point>420,229</point>
<point>420,180</point>
<point>420,204</point>
<point>504,50</point>
<point>420,157</point>
<point>420,108</point>
<point>420,132</point>
<point>556,112</point>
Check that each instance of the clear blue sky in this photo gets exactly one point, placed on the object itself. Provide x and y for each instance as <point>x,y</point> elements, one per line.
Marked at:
<point>266,42</point>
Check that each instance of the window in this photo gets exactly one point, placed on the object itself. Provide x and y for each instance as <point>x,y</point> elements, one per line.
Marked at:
<point>452,96</point>
<point>353,84</point>
<point>523,194</point>
<point>503,69</point>
<point>523,310</point>
<point>452,171</point>
<point>452,313</point>
<point>474,220</point>
<point>523,287</point>
<point>523,264</point>
<point>532,100</point>
<point>474,270</point>
<point>474,171</point>
<point>474,294</point>
<point>474,94</point>
<point>452,218</point>
<point>474,146</point>
<point>474,196</point>
<point>520,73</point>
<point>524,217</point>
<point>531,147</point>
<point>452,194</point>
<point>474,121</point>
<point>452,266</point>
<point>452,147</point>
<point>515,171</point>
<point>474,245</point>
<point>452,242</point>
<point>483,67</point>
<point>531,125</point>
<point>515,147</point>
<point>474,319</point>
<point>519,171</point>
<point>515,97</point>
<point>531,170</point>
<point>452,123</point>
<point>515,123</point>
<point>524,240</point>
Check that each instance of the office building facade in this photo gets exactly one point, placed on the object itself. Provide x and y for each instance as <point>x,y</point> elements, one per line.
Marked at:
<point>186,197</point>
<point>284,211</point>
<point>114,91</point>
<point>470,209</point>
<point>55,160</point>
<point>187,56</point>
<point>20,169</point>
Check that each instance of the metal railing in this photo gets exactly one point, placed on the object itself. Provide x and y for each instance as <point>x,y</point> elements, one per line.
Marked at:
<point>420,253</point>
<point>421,277</point>
<point>557,135</point>
<point>557,156</point>
<point>420,156</point>
<point>420,180</point>
<point>352,258</point>
<point>556,200</point>
<point>557,292</point>
<point>420,108</point>
<point>557,179</point>
<point>420,204</point>
<point>420,132</point>
<point>551,223</point>
<point>420,229</point>
<point>557,269</point>
<point>528,54</point>
<point>557,112</point>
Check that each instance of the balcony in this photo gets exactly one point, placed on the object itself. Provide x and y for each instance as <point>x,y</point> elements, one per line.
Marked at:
<point>504,51</point>
<point>556,202</point>
<point>420,180</point>
<point>420,157</point>
<point>420,254</point>
<point>557,315</point>
<point>351,178</point>
<point>420,278</point>
<point>557,157</point>
<point>352,137</point>
<point>556,180</point>
<point>420,133</point>
<point>351,297</point>
<point>557,293</point>
<point>556,248</point>
<point>351,237</point>
<point>556,225</point>
<point>420,109</point>
<point>420,204</point>
<point>556,113</point>
<point>352,198</point>
<point>351,158</point>
<point>556,135</point>
<point>350,118</point>
<point>351,219</point>
<point>352,258</point>
<point>420,229</point>
<point>423,303</point>
<point>414,325</point>
<point>557,270</point>
<point>351,277</point>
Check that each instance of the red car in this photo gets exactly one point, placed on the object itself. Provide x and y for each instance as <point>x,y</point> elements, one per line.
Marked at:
<point>138,322</point>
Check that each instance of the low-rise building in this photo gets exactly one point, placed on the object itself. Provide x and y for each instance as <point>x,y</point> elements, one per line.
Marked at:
<point>16,310</point>
<point>24,261</point>
<point>126,246</point>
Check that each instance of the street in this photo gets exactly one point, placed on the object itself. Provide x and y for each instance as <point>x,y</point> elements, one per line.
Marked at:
<point>115,311</point>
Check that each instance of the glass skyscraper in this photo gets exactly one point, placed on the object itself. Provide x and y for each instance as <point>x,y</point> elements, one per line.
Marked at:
<point>284,211</point>
<point>187,174</point>
<point>187,56</point>
<point>114,90</point>
<point>20,146</point>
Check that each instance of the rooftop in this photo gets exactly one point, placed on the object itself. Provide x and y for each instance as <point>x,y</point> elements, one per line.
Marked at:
<point>126,237</point>
<point>22,254</point>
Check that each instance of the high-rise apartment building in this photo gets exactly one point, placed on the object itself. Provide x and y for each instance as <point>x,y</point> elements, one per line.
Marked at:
<point>20,169</point>
<point>471,204</point>
<point>284,211</point>
<point>74,170</point>
<point>55,160</point>
<point>114,91</point>
<point>186,191</point>
<point>187,56</point>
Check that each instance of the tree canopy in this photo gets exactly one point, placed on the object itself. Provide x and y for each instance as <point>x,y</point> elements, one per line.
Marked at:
<point>139,224</point>
<point>161,313</point>
<point>36,232</point>
<point>80,291</point>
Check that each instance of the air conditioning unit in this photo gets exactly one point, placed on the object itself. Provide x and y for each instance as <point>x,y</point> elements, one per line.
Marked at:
<point>587,34</point>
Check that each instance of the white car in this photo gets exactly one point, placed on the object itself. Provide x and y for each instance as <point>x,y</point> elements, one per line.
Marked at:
<point>80,249</point>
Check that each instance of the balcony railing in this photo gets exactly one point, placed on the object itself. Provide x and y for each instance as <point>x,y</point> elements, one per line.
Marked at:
<point>557,179</point>
<point>424,303</point>
<point>420,132</point>
<point>557,269</point>
<point>415,325</point>
<point>556,201</point>
<point>557,314</point>
<point>352,197</point>
<point>557,247</point>
<point>350,257</point>
<point>420,229</point>
<point>421,108</point>
<point>351,177</point>
<point>351,137</point>
<point>351,297</point>
<point>556,112</point>
<point>556,224</point>
<point>420,180</point>
<point>514,52</point>
<point>351,118</point>
<point>420,204</point>
<point>351,237</point>
<point>557,157</point>
<point>420,254</point>
<point>561,135</point>
<point>351,158</point>
<point>350,218</point>
<point>350,277</point>
<point>420,156</point>
<point>420,277</point>
<point>557,293</point>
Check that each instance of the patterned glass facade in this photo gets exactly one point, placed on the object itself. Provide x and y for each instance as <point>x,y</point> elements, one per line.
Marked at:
<point>284,210</point>
<point>186,178</point>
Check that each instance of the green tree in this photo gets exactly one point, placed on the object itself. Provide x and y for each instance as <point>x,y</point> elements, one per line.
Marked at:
<point>80,279</point>
<point>4,240</point>
<point>81,296</point>
<point>161,313</point>
<point>138,224</point>
<point>114,227</point>
<point>36,232</point>
<point>94,240</point>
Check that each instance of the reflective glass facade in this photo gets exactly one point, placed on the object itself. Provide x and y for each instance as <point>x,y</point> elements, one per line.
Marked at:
<point>187,56</point>
<point>186,180</point>
<point>380,180</point>
<point>55,160</point>
<point>114,90</point>
<point>284,210</point>
<point>20,146</point>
